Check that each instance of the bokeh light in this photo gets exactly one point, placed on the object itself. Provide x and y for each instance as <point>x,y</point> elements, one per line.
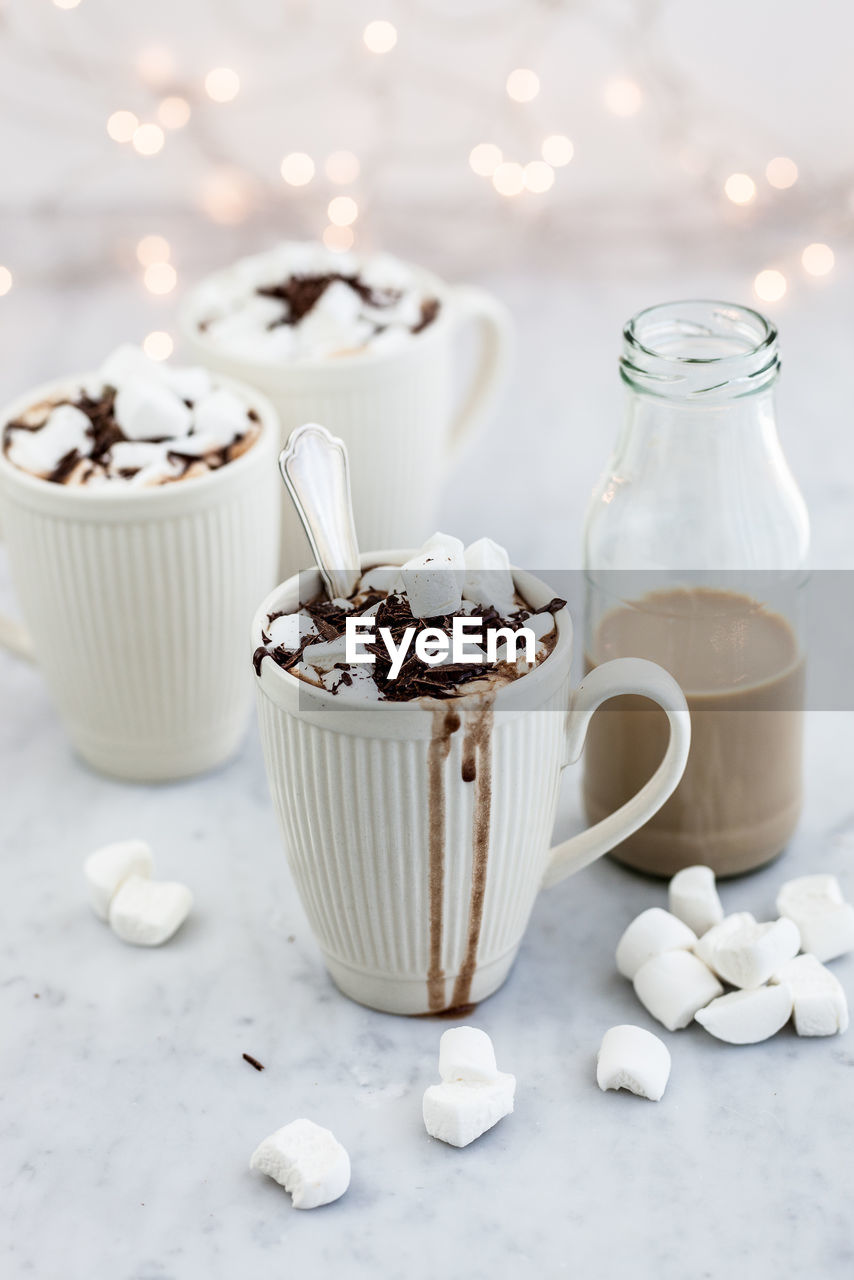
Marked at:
<point>173,112</point>
<point>781,172</point>
<point>523,84</point>
<point>222,84</point>
<point>557,150</point>
<point>485,158</point>
<point>817,259</point>
<point>297,169</point>
<point>342,167</point>
<point>740,188</point>
<point>153,249</point>
<point>338,238</point>
<point>623,97</point>
<point>156,65</point>
<point>342,211</point>
<point>158,345</point>
<point>148,139</point>
<point>380,36</point>
<point>509,178</point>
<point>5,280</point>
<point>539,176</point>
<point>122,125</point>
<point>770,285</point>
<point>226,195</point>
<point>160,277</point>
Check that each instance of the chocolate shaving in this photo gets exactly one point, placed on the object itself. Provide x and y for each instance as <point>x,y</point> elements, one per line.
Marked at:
<point>300,294</point>
<point>429,311</point>
<point>253,1062</point>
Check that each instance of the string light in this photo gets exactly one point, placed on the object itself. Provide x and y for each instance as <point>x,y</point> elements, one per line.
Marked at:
<point>153,249</point>
<point>342,167</point>
<point>222,84</point>
<point>380,36</point>
<point>539,176</point>
<point>817,259</point>
<point>485,159</point>
<point>148,139</point>
<point>173,112</point>
<point>226,196</point>
<point>66,4</point>
<point>523,85</point>
<point>740,188</point>
<point>158,345</point>
<point>122,125</point>
<point>160,277</point>
<point>156,65</point>
<point>781,172</point>
<point>770,285</point>
<point>342,211</point>
<point>557,150</point>
<point>338,238</point>
<point>623,97</point>
<point>297,169</point>
<point>5,280</point>
<point>509,178</point>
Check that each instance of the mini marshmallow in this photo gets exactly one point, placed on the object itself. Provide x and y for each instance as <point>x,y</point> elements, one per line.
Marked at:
<point>693,898</point>
<point>746,1017</point>
<point>634,1059</point>
<point>221,416</point>
<point>127,362</point>
<point>307,1160</point>
<point>147,913</point>
<point>706,946</point>
<point>672,986</point>
<point>819,1004</point>
<point>458,1111</point>
<point>289,629</point>
<point>542,624</point>
<point>136,454</point>
<point>467,1054</point>
<point>324,655</point>
<point>433,580</point>
<point>649,934</point>
<point>488,579</point>
<point>189,382</point>
<point>147,410</point>
<point>108,868</point>
<point>383,577</point>
<point>39,452</point>
<point>824,918</point>
<point>752,952</point>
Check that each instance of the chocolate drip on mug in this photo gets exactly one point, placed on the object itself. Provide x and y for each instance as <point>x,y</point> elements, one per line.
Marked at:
<point>477,748</point>
<point>446,721</point>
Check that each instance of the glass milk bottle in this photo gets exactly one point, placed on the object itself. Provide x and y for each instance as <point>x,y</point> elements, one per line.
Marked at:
<point>694,546</point>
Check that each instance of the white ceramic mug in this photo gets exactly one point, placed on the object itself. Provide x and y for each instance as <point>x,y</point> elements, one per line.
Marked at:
<point>392,409</point>
<point>419,884</point>
<point>136,601</point>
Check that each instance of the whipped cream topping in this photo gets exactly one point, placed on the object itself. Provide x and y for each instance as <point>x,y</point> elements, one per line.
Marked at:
<point>312,643</point>
<point>303,302</point>
<point>136,422</point>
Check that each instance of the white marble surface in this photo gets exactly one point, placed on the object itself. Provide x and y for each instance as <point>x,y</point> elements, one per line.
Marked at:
<point>128,1114</point>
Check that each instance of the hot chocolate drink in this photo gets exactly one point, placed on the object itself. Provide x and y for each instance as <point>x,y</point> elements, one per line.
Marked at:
<point>302,302</point>
<point>464,645</point>
<point>135,423</point>
<point>742,672</point>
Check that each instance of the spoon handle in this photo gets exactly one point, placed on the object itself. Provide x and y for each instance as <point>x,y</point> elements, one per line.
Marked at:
<point>316,472</point>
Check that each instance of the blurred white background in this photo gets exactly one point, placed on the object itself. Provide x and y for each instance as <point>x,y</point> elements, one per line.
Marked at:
<point>648,149</point>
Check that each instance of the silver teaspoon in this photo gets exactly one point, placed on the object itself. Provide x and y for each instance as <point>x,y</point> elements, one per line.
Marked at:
<point>316,471</point>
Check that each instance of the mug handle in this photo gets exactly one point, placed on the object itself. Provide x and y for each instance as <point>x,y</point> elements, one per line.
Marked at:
<point>622,675</point>
<point>496,327</point>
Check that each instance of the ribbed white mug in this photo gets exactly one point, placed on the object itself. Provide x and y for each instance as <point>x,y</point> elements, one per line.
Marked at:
<point>393,410</point>
<point>418,833</point>
<point>136,601</point>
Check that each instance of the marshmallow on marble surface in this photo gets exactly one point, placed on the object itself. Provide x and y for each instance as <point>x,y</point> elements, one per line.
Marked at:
<point>649,934</point>
<point>820,1007</point>
<point>488,579</point>
<point>433,580</point>
<point>467,1054</point>
<point>147,913</point>
<point>634,1059</point>
<point>221,416</point>
<point>746,1017</point>
<point>145,409</point>
<point>825,920</point>
<point>749,955</point>
<point>672,986</point>
<point>307,1160</point>
<point>459,1111</point>
<point>106,870</point>
<point>693,898</point>
<point>715,937</point>
<point>65,429</point>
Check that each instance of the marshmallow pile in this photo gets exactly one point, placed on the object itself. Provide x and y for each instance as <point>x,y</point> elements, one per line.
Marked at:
<point>473,1094</point>
<point>678,961</point>
<point>349,304</point>
<point>139,910</point>
<point>173,422</point>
